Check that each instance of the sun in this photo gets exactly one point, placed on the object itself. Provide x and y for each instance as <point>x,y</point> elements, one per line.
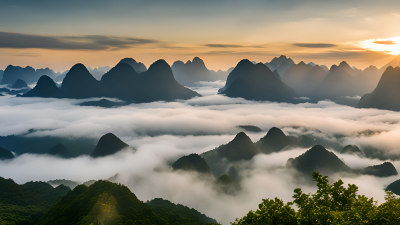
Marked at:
<point>389,45</point>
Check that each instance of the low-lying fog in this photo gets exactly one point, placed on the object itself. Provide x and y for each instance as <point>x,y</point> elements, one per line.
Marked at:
<point>162,132</point>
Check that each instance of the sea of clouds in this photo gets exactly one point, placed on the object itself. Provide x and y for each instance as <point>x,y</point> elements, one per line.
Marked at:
<point>161,132</point>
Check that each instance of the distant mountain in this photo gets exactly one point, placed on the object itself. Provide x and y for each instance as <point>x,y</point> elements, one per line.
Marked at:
<point>108,144</point>
<point>256,82</point>
<point>394,187</point>
<point>45,88</point>
<point>26,203</point>
<point>192,162</point>
<point>137,66</point>
<point>18,84</point>
<point>352,150</point>
<point>13,73</point>
<point>240,148</point>
<point>1,75</point>
<point>318,159</point>
<point>177,213</point>
<point>98,72</point>
<point>5,154</point>
<point>122,81</point>
<point>79,83</point>
<point>105,103</point>
<point>60,150</point>
<point>386,94</point>
<point>28,74</point>
<point>27,143</point>
<point>343,80</point>
<point>250,128</point>
<point>385,169</point>
<point>280,64</point>
<point>194,71</point>
<point>107,203</point>
<point>274,141</point>
<point>304,78</point>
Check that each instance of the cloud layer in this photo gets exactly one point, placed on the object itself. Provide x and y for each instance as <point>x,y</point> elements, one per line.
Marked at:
<point>161,132</point>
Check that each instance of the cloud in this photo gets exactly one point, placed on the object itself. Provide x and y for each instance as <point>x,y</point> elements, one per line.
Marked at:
<point>224,46</point>
<point>388,42</point>
<point>314,45</point>
<point>82,42</point>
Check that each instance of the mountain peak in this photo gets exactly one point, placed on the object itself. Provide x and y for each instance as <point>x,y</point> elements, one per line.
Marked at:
<point>18,84</point>
<point>159,65</point>
<point>108,145</point>
<point>240,137</point>
<point>274,141</point>
<point>137,66</point>
<point>128,61</point>
<point>45,88</point>
<point>244,62</point>
<point>318,159</point>
<point>192,162</point>
<point>79,67</point>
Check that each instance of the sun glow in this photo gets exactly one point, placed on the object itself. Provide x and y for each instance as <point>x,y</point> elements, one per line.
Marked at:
<point>389,45</point>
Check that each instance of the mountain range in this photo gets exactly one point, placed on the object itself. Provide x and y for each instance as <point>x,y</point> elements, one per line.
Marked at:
<point>122,81</point>
<point>191,72</point>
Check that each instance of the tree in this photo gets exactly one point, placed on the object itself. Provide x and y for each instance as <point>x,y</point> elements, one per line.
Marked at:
<point>330,204</point>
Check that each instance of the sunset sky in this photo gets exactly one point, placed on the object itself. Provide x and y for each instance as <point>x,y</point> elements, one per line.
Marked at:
<point>57,34</point>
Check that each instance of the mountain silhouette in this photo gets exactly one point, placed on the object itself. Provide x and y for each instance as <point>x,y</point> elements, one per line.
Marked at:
<point>386,94</point>
<point>108,145</point>
<point>13,73</point>
<point>194,71</point>
<point>137,66</point>
<point>240,148</point>
<point>318,159</point>
<point>60,150</point>
<point>122,81</point>
<point>274,141</point>
<point>280,64</point>
<point>385,169</point>
<point>79,83</point>
<point>5,154</point>
<point>304,78</point>
<point>18,84</point>
<point>256,82</point>
<point>158,83</point>
<point>192,162</point>
<point>45,88</point>
<point>250,128</point>
<point>352,150</point>
<point>342,80</point>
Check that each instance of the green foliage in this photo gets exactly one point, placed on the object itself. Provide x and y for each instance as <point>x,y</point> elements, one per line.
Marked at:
<point>27,203</point>
<point>178,214</point>
<point>330,204</point>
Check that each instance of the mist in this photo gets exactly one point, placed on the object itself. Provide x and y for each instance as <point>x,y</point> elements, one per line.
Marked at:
<point>161,132</point>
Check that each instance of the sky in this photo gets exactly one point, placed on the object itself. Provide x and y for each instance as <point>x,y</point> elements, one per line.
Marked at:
<point>58,34</point>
